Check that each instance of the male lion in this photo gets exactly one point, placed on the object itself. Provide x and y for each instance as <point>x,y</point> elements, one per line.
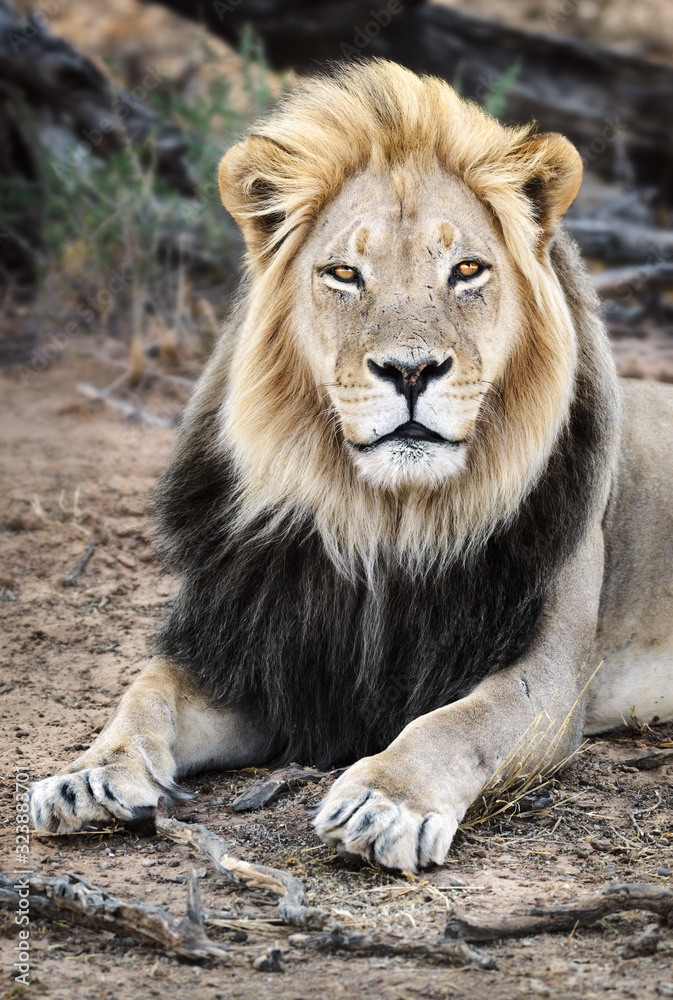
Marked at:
<point>411,506</point>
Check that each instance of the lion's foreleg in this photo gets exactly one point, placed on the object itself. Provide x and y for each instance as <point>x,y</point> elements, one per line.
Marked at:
<point>161,729</point>
<point>402,807</point>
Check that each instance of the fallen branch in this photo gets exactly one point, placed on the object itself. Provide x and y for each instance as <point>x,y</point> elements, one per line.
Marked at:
<point>441,951</point>
<point>72,898</point>
<point>645,278</point>
<point>554,919</point>
<point>153,374</point>
<point>648,763</point>
<point>120,406</point>
<point>616,240</point>
<point>275,784</point>
<point>292,906</point>
<point>69,580</point>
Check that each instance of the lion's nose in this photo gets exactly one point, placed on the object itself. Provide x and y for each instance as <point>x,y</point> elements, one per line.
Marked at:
<point>410,380</point>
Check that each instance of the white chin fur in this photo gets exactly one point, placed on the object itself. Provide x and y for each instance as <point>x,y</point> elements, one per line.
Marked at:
<point>410,463</point>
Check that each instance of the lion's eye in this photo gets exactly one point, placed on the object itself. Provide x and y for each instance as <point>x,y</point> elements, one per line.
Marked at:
<point>468,268</point>
<point>344,273</point>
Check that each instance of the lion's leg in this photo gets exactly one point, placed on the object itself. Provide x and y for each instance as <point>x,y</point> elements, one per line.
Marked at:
<point>402,807</point>
<point>161,729</point>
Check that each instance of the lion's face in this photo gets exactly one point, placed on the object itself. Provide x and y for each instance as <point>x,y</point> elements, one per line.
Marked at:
<point>402,361</point>
<point>408,308</point>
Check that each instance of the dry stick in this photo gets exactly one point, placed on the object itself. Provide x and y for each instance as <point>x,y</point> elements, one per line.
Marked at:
<point>151,373</point>
<point>72,897</point>
<point>194,914</point>
<point>648,763</point>
<point>579,913</point>
<point>293,911</point>
<point>440,951</point>
<point>69,580</point>
<point>275,784</point>
<point>616,240</point>
<point>646,277</point>
<point>292,906</point>
<point>643,812</point>
<point>126,409</point>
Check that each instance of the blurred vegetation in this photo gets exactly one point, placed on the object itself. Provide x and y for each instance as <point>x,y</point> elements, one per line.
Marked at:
<point>119,250</point>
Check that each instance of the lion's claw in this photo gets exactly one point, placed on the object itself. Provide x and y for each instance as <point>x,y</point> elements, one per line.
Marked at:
<point>94,796</point>
<point>394,835</point>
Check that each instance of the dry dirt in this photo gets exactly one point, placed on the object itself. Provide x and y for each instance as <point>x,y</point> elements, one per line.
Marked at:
<point>74,471</point>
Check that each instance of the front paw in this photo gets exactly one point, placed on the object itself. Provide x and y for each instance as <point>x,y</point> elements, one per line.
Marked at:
<point>380,820</point>
<point>96,796</point>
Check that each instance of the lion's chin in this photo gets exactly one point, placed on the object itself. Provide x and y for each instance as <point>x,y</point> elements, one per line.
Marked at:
<point>422,464</point>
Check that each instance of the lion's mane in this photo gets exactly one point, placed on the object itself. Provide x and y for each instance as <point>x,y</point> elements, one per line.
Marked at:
<point>338,613</point>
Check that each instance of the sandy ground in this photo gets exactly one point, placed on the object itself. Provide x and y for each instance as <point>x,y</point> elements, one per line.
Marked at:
<point>74,471</point>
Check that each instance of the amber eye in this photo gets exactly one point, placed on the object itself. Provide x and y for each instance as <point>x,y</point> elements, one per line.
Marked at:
<point>468,268</point>
<point>344,273</point>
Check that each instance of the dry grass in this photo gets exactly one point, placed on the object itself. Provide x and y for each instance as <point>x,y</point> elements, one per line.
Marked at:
<point>529,768</point>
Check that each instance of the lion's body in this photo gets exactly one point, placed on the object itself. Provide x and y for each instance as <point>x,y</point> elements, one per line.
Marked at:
<point>338,665</point>
<point>407,511</point>
<point>634,636</point>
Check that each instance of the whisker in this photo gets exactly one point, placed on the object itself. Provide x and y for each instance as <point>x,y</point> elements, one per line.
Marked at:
<point>324,385</point>
<point>492,387</point>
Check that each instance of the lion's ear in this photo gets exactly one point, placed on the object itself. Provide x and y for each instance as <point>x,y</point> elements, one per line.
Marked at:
<point>249,192</point>
<point>554,179</point>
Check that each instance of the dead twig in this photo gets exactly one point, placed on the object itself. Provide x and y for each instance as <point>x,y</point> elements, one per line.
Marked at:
<point>292,906</point>
<point>152,374</point>
<point>548,920</point>
<point>73,898</point>
<point>440,951</point>
<point>616,240</point>
<point>69,580</point>
<point>293,910</point>
<point>618,280</point>
<point>644,812</point>
<point>648,763</point>
<point>120,406</point>
<point>275,784</point>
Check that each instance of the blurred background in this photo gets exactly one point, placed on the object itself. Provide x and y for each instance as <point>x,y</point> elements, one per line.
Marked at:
<point>113,243</point>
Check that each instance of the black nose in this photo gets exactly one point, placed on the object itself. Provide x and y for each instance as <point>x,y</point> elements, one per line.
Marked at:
<point>410,380</point>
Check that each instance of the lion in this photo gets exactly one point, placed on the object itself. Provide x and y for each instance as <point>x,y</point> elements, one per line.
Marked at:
<point>411,506</point>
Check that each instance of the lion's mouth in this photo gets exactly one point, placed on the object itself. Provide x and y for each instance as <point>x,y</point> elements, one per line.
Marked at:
<point>411,431</point>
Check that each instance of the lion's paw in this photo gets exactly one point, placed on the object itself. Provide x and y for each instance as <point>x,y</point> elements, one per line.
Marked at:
<point>360,819</point>
<point>95,796</point>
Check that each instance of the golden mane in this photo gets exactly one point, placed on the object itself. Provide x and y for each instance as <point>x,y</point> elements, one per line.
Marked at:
<point>278,426</point>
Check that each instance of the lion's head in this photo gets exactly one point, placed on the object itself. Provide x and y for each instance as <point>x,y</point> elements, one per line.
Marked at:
<point>406,356</point>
